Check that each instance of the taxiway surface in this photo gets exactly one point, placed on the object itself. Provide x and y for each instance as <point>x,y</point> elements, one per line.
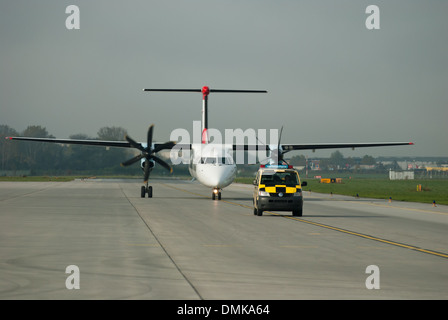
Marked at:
<point>182,245</point>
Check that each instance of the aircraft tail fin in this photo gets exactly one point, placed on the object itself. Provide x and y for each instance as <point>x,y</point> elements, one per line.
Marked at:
<point>205,92</point>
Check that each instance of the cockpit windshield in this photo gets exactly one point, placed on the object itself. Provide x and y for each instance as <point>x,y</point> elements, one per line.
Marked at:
<point>216,160</point>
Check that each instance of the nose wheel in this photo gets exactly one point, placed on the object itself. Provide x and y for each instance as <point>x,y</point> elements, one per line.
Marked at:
<point>216,194</point>
<point>146,190</point>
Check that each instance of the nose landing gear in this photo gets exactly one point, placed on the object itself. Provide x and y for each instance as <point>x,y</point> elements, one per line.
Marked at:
<point>216,193</point>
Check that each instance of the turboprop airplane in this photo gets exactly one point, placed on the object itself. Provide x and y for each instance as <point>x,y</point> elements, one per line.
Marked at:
<point>211,164</point>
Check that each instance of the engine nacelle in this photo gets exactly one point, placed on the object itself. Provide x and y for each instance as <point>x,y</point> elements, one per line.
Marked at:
<point>150,162</point>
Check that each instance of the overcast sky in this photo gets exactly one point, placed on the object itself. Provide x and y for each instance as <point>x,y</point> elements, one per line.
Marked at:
<point>329,78</point>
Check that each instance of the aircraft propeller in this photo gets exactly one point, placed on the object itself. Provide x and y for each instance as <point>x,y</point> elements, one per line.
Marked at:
<point>276,153</point>
<point>148,153</point>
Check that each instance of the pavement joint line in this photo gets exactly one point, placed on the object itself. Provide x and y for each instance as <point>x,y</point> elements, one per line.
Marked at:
<point>162,247</point>
<point>50,186</point>
<point>365,236</point>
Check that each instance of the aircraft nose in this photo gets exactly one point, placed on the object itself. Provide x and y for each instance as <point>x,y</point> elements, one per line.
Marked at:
<point>218,176</point>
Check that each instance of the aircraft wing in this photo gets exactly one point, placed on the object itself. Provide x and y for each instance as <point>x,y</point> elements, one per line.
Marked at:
<point>123,144</point>
<point>119,144</point>
<point>285,147</point>
<point>315,146</point>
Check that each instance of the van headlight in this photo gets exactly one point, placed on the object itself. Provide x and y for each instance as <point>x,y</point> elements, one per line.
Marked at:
<point>297,194</point>
<point>263,194</point>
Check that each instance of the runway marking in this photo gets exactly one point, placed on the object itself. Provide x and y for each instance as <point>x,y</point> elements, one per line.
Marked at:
<point>361,235</point>
<point>365,236</point>
<point>410,209</point>
<point>221,245</point>
<point>299,247</point>
<point>380,205</point>
<point>374,248</point>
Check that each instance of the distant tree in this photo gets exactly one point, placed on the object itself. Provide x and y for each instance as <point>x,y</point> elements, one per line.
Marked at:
<point>112,133</point>
<point>299,160</point>
<point>337,160</point>
<point>350,161</point>
<point>81,157</point>
<point>368,160</point>
<point>395,165</point>
<point>40,155</point>
<point>51,158</point>
<point>9,152</point>
<point>112,157</point>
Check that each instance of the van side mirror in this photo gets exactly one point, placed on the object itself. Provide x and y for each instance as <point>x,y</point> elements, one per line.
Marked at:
<point>304,184</point>
<point>254,182</point>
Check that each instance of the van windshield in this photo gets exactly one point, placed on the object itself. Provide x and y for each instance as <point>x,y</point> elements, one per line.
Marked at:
<point>276,178</point>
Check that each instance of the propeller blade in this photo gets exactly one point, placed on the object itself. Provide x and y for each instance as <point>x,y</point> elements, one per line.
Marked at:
<point>131,161</point>
<point>280,137</point>
<point>149,139</point>
<point>279,151</point>
<point>134,143</point>
<point>166,145</point>
<point>162,163</point>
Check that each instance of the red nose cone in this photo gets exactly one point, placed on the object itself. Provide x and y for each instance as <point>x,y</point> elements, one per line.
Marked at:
<point>205,91</point>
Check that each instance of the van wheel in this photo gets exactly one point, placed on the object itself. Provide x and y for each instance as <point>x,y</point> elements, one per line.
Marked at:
<point>297,212</point>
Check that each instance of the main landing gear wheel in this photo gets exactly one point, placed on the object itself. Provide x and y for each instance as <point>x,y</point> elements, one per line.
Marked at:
<point>216,193</point>
<point>146,190</point>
